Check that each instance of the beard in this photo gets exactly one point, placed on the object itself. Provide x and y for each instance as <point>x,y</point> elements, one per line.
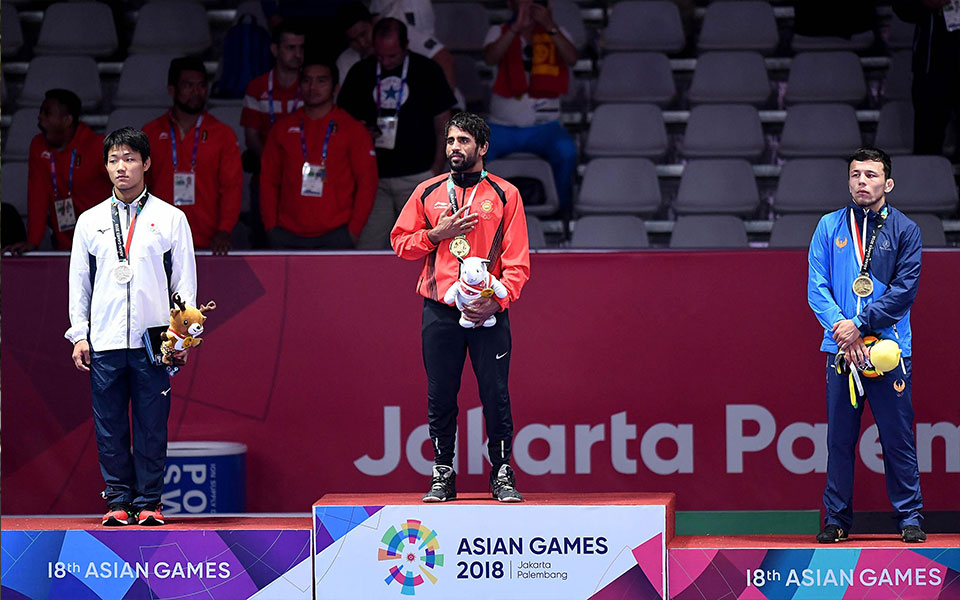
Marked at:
<point>194,108</point>
<point>467,163</point>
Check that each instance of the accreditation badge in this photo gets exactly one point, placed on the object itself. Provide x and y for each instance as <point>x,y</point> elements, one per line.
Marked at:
<point>312,181</point>
<point>66,217</point>
<point>459,246</point>
<point>184,189</point>
<point>863,286</point>
<point>388,132</point>
<point>123,272</point>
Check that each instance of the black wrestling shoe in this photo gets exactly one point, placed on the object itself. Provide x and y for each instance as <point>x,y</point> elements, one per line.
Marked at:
<point>503,485</point>
<point>118,515</point>
<point>831,533</point>
<point>912,534</point>
<point>443,485</point>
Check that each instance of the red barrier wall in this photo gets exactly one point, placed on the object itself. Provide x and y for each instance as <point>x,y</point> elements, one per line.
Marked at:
<point>697,373</point>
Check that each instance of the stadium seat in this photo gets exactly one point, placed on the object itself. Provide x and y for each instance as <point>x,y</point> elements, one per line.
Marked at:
<point>619,186</point>
<point>818,130</point>
<point>721,186</point>
<point>826,77</point>
<point>132,117</point>
<point>13,185</point>
<point>476,92</point>
<point>566,14</point>
<point>895,128</point>
<point>635,77</point>
<point>931,230</point>
<point>899,80</point>
<point>11,33</point>
<point>644,25</point>
<point>23,128</point>
<point>608,232</point>
<point>143,81</point>
<point>739,26</point>
<point>924,184</point>
<point>858,42</point>
<point>900,34</point>
<point>794,231</point>
<point>536,168</point>
<point>708,231</point>
<point>230,116</point>
<point>535,235</point>
<point>76,73</point>
<point>724,130</point>
<point>812,185</point>
<point>60,34</point>
<point>461,26</point>
<point>177,26</point>
<point>627,130</point>
<point>730,77</point>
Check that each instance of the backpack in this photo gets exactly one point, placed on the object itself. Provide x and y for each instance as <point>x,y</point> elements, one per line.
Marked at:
<point>246,55</point>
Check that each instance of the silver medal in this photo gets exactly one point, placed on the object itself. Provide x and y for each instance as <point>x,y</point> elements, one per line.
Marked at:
<point>123,273</point>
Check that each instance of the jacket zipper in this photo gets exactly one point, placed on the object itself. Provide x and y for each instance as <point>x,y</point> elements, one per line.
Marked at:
<point>129,345</point>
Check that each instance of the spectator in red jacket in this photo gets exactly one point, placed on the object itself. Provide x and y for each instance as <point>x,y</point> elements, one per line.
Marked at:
<point>66,175</point>
<point>318,174</point>
<point>196,159</point>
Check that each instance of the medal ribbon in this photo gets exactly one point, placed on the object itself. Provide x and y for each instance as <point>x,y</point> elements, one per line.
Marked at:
<point>454,207</point>
<point>123,250</point>
<point>403,81</point>
<point>53,175</point>
<point>196,144</point>
<point>864,256</point>
<point>326,141</point>
<point>270,95</point>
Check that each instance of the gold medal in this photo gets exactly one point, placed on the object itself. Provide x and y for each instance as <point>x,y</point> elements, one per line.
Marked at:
<point>863,286</point>
<point>487,292</point>
<point>459,246</point>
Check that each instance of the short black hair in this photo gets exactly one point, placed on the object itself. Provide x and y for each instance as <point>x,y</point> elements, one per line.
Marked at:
<point>287,26</point>
<point>185,63</point>
<point>351,13</point>
<point>872,153</point>
<point>127,136</point>
<point>67,99</point>
<point>318,58</point>
<point>389,26</point>
<point>472,124</point>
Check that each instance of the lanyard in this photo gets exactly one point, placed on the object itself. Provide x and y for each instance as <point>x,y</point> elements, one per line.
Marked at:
<point>403,83</point>
<point>331,126</point>
<point>123,250</point>
<point>53,175</point>
<point>453,194</point>
<point>196,144</point>
<point>270,95</point>
<point>864,256</point>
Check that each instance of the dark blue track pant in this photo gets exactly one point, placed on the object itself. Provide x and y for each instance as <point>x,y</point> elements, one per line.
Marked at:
<point>890,402</point>
<point>445,347</point>
<point>124,383</point>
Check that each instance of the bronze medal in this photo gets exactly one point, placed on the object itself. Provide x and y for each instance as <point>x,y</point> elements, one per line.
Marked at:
<point>863,286</point>
<point>459,246</point>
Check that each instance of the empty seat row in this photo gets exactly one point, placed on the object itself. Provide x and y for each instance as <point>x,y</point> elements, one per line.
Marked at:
<point>711,231</point>
<point>177,26</point>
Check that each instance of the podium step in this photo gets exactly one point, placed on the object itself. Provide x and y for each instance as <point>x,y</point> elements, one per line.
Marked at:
<point>551,546</point>
<point>212,557</point>
<point>796,566</point>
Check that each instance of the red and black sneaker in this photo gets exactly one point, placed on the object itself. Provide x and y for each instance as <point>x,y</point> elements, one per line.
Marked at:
<point>150,518</point>
<point>118,515</point>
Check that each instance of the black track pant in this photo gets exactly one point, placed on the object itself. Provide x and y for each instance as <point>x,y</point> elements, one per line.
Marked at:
<point>445,347</point>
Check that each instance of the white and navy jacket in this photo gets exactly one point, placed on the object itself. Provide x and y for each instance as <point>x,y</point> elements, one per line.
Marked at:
<point>111,315</point>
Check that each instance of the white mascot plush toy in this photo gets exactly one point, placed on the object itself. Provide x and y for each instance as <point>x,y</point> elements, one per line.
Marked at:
<point>475,282</point>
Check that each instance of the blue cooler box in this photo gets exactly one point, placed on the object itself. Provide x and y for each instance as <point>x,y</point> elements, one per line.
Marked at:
<point>205,477</point>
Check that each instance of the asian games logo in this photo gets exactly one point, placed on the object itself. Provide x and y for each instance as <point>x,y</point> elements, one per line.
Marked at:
<point>413,548</point>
